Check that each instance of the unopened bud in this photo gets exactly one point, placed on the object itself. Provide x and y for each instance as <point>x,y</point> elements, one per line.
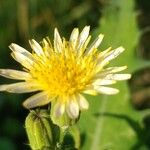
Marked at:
<point>38,128</point>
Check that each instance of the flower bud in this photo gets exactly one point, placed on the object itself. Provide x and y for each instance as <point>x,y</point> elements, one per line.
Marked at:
<point>39,130</point>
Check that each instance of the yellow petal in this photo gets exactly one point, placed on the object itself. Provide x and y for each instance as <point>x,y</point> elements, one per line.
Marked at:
<point>59,109</point>
<point>22,59</point>
<point>118,77</point>
<point>14,74</point>
<point>110,70</point>
<point>57,41</point>
<point>106,90</point>
<point>36,47</point>
<point>113,54</point>
<point>83,37</point>
<point>103,82</point>
<point>16,48</point>
<point>21,87</point>
<point>103,53</point>
<point>72,108</point>
<point>83,103</point>
<point>74,37</point>
<point>95,44</point>
<point>90,92</point>
<point>36,100</point>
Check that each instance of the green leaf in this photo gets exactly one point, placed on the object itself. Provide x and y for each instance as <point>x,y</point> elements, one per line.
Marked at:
<point>111,123</point>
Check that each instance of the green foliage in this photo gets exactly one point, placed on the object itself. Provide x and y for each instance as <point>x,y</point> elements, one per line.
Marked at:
<point>112,123</point>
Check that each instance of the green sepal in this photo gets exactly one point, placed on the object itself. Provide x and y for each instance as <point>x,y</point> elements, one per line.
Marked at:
<point>70,138</point>
<point>74,131</point>
<point>39,130</point>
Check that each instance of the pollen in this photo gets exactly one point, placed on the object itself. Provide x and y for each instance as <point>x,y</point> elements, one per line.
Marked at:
<point>63,73</point>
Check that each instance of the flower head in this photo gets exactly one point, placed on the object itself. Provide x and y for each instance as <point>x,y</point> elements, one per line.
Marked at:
<point>63,71</point>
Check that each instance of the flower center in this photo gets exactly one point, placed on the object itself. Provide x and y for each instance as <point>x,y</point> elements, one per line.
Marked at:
<point>63,73</point>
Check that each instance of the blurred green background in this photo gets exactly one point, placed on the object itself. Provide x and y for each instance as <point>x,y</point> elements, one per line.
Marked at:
<point>120,124</point>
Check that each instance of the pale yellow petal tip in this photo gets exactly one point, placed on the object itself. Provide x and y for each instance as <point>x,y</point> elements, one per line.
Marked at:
<point>121,49</point>
<point>75,31</point>
<point>113,92</point>
<point>60,109</point>
<point>25,105</point>
<point>101,36</point>
<point>83,103</point>
<point>13,46</point>
<point>72,109</point>
<point>2,70</point>
<point>55,30</point>
<point>124,67</point>
<point>30,41</point>
<point>85,31</point>
<point>128,76</point>
<point>90,92</point>
<point>56,33</point>
<point>124,76</point>
<point>33,42</point>
<point>106,90</point>
<point>87,27</point>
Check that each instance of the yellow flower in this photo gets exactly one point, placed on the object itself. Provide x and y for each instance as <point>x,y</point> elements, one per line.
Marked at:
<point>63,71</point>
